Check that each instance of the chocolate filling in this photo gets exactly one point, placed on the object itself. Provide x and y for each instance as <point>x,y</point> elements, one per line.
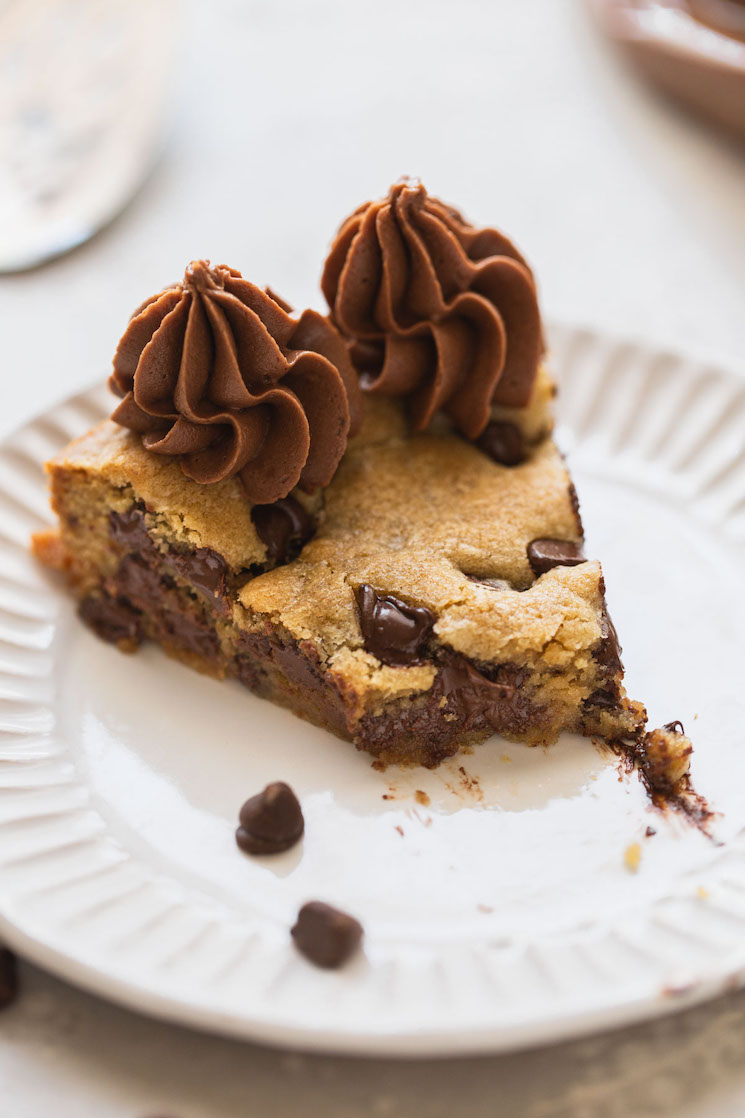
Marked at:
<point>287,672</point>
<point>202,568</point>
<point>471,694</point>
<point>176,599</point>
<point>479,699</point>
<point>112,620</point>
<point>475,705</point>
<point>207,572</point>
<point>139,581</point>
<point>172,597</point>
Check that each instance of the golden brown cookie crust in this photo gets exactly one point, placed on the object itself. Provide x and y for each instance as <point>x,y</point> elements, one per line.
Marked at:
<point>430,519</point>
<point>216,516</point>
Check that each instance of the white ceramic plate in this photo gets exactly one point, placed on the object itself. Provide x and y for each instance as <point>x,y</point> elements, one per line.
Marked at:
<point>501,914</point>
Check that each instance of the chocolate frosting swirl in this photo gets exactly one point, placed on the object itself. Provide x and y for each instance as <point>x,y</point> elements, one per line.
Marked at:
<point>215,371</point>
<point>438,311</point>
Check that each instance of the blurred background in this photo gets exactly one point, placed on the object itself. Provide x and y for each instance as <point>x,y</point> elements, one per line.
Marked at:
<point>244,131</point>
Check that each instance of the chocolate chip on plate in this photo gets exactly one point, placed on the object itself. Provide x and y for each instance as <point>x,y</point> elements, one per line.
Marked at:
<point>8,978</point>
<point>271,822</point>
<point>326,935</point>
<point>675,727</point>
<point>283,527</point>
<point>392,630</point>
<point>503,442</point>
<point>543,555</point>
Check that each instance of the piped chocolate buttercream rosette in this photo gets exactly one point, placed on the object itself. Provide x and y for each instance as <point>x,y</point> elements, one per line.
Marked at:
<point>436,310</point>
<point>217,373</point>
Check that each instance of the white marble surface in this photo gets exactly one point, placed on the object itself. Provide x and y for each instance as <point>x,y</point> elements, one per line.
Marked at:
<point>287,116</point>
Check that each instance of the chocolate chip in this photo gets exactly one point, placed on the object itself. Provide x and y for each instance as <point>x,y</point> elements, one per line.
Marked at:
<point>544,555</point>
<point>207,572</point>
<point>283,527</point>
<point>674,727</point>
<point>469,692</point>
<point>111,620</point>
<point>8,978</point>
<point>271,822</point>
<point>392,630</point>
<point>203,567</point>
<point>503,442</point>
<point>128,528</point>
<point>137,580</point>
<point>650,832</point>
<point>603,698</point>
<point>191,634</point>
<point>608,654</point>
<point>325,935</point>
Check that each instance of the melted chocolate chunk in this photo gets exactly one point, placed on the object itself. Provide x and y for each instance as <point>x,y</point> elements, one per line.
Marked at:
<point>491,583</point>
<point>8,978</point>
<point>608,655</point>
<point>271,822</point>
<point>138,581</point>
<point>544,555</point>
<point>143,586</point>
<point>192,634</point>
<point>112,620</point>
<point>279,668</point>
<point>270,664</point>
<point>604,698</point>
<point>204,568</point>
<point>283,527</point>
<point>392,630</point>
<point>207,572</point>
<point>503,442</point>
<point>325,935</point>
<point>128,528</point>
<point>674,727</point>
<point>469,692</point>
